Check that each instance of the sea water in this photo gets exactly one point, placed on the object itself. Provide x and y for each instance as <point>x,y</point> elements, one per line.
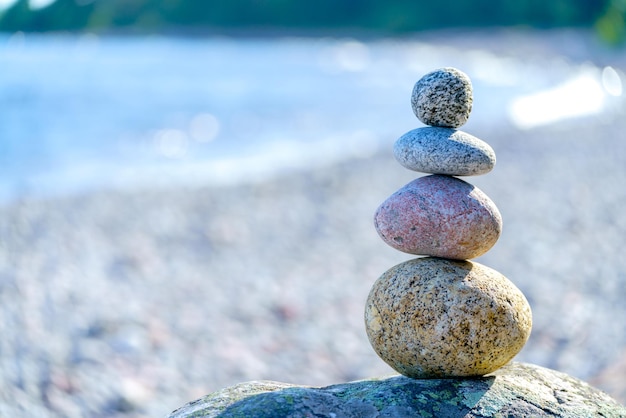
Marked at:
<point>85,112</point>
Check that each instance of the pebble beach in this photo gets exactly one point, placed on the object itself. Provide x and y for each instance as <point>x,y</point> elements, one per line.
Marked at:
<point>132,303</point>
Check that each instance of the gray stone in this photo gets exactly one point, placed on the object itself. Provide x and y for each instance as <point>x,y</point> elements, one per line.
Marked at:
<point>444,151</point>
<point>443,98</point>
<point>433,317</point>
<point>515,390</point>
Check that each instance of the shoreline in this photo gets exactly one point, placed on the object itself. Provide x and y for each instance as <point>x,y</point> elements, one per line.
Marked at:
<point>71,156</point>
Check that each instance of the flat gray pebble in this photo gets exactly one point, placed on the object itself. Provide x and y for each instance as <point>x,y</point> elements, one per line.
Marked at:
<point>444,151</point>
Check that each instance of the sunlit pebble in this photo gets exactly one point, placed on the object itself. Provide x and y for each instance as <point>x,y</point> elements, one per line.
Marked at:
<point>135,391</point>
<point>612,81</point>
<point>171,143</point>
<point>204,127</point>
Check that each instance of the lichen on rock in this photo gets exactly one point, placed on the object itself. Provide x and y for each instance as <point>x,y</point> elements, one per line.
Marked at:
<point>517,389</point>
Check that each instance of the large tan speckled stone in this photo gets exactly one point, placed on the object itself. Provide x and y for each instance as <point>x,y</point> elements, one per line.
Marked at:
<point>434,317</point>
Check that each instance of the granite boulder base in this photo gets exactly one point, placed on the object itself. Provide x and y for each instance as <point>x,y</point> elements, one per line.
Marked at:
<point>515,390</point>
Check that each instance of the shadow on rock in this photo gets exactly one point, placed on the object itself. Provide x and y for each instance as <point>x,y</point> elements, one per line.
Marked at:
<point>397,396</point>
<point>517,389</point>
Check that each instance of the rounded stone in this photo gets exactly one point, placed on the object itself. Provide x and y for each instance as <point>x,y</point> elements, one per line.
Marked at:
<point>440,216</point>
<point>444,151</point>
<point>443,98</point>
<point>432,317</point>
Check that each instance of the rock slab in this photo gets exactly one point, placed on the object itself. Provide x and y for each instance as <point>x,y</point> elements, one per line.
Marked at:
<point>439,216</point>
<point>515,390</point>
<point>444,151</point>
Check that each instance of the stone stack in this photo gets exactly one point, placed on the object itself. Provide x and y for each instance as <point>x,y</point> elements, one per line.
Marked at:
<point>443,315</point>
<point>438,316</point>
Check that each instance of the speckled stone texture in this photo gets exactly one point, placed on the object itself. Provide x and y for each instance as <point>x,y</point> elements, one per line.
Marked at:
<point>444,151</point>
<point>440,216</point>
<point>515,390</point>
<point>443,98</point>
<point>432,317</point>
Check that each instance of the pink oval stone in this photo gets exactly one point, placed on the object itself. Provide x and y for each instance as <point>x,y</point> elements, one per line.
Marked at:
<point>440,216</point>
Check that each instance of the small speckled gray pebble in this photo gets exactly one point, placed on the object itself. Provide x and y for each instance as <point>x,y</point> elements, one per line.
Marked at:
<point>434,317</point>
<point>443,98</point>
<point>444,151</point>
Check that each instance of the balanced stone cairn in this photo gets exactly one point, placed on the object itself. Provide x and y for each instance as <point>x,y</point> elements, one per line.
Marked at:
<point>441,315</point>
<point>438,316</point>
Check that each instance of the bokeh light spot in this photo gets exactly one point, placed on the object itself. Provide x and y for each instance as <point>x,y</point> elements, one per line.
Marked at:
<point>171,143</point>
<point>581,96</point>
<point>611,81</point>
<point>204,127</point>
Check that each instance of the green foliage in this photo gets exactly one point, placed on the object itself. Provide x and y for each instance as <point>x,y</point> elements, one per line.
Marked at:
<point>60,15</point>
<point>380,15</point>
<point>611,26</point>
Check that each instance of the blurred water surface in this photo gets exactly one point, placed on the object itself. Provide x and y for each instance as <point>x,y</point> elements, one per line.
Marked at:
<point>83,112</point>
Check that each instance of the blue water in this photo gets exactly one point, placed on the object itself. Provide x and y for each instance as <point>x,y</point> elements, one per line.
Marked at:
<point>80,113</point>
